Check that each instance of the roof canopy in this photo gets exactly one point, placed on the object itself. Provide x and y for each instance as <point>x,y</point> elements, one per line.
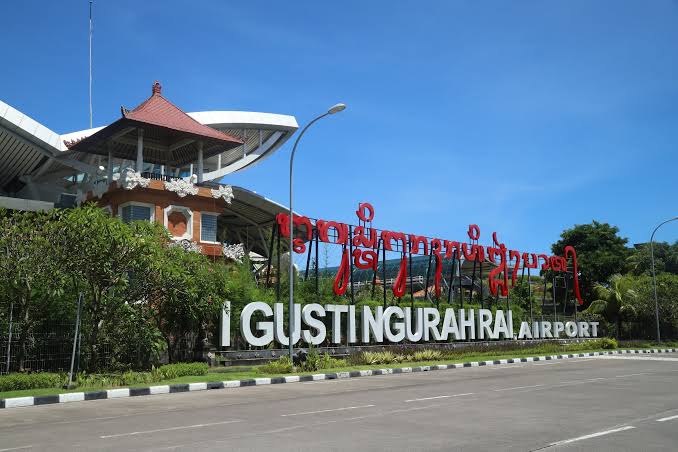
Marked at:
<point>170,136</point>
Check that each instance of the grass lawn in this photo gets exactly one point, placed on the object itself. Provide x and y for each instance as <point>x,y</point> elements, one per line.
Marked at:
<point>247,372</point>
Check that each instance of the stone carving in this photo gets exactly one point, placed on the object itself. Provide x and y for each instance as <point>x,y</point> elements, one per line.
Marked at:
<point>234,252</point>
<point>130,179</point>
<point>225,192</point>
<point>187,245</point>
<point>181,187</point>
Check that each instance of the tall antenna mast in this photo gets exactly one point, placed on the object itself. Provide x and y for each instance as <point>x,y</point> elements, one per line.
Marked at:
<point>90,64</point>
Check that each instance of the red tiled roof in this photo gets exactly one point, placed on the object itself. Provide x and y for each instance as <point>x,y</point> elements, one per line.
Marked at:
<point>158,111</point>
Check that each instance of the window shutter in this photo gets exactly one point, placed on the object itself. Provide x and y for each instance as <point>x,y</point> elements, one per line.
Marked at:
<point>208,228</point>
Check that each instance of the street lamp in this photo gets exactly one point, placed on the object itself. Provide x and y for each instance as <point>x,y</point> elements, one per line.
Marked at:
<point>332,110</point>
<point>654,277</point>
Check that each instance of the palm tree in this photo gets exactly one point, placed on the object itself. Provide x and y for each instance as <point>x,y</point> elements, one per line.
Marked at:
<point>615,300</point>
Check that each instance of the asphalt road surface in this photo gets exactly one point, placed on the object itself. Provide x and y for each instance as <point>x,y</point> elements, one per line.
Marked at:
<point>590,404</point>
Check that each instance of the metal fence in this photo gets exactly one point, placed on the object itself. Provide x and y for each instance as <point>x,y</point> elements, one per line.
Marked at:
<point>44,348</point>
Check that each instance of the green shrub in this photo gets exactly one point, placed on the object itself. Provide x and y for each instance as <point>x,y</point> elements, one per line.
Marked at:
<point>327,362</point>
<point>282,365</point>
<point>312,362</point>
<point>172,371</point>
<point>604,343</point>
<point>19,381</point>
<point>427,355</point>
<point>370,358</point>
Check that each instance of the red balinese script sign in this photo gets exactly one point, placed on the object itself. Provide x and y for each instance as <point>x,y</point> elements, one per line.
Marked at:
<point>364,240</point>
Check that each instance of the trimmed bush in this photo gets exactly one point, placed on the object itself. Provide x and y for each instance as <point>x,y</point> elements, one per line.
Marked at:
<point>18,381</point>
<point>282,365</point>
<point>427,355</point>
<point>604,343</point>
<point>172,371</point>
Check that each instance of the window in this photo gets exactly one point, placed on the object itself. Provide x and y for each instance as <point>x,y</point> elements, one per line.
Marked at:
<point>208,227</point>
<point>135,212</point>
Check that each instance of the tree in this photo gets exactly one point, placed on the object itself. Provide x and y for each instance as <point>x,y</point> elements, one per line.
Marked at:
<point>99,253</point>
<point>601,253</point>
<point>665,258</point>
<point>29,275</point>
<point>615,300</point>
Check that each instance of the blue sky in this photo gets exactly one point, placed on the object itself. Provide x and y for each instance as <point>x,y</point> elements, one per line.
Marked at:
<point>525,117</point>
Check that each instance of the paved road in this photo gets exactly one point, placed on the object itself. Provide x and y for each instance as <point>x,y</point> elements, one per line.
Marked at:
<point>616,403</point>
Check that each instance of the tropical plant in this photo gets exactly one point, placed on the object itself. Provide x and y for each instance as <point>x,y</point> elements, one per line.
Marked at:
<point>615,301</point>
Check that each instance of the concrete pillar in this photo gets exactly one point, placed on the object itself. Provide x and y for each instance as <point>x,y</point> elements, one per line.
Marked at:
<point>201,168</point>
<point>140,150</point>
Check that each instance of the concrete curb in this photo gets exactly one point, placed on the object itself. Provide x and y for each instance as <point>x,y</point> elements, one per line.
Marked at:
<point>190,387</point>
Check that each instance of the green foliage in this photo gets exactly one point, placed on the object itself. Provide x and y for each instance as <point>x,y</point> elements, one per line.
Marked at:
<point>614,301</point>
<point>665,259</point>
<point>19,381</point>
<point>600,253</point>
<point>172,371</point>
<point>282,365</point>
<point>427,355</point>
<point>605,343</point>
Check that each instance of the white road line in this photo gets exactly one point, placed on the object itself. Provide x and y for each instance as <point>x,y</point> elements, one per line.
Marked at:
<point>439,397</point>
<point>517,387</point>
<point>327,411</point>
<point>630,375</point>
<point>17,448</point>
<point>181,427</point>
<point>548,364</point>
<point>592,435</point>
<point>670,418</point>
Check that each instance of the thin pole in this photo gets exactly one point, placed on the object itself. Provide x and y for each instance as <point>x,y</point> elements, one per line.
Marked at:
<point>543,300</point>
<point>75,341</point>
<point>270,254</point>
<point>482,299</point>
<point>291,210</point>
<point>553,290</point>
<point>451,288</point>
<point>428,271</point>
<point>9,337</point>
<point>316,261</point>
<point>90,64</point>
<point>374,275</point>
<point>409,264</point>
<point>350,261</point>
<point>529,295</point>
<point>278,273</point>
<point>654,276</point>
<point>383,271</point>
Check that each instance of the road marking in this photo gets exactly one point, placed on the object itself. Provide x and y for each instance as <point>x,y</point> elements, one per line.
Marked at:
<point>327,411</point>
<point>17,448</point>
<point>592,435</point>
<point>181,427</point>
<point>630,375</point>
<point>548,364</point>
<point>670,418</point>
<point>439,397</point>
<point>517,387</point>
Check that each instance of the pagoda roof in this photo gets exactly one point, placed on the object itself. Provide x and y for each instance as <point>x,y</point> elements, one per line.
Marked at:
<point>170,135</point>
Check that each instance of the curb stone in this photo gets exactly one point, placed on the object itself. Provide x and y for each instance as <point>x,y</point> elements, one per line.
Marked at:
<point>15,402</point>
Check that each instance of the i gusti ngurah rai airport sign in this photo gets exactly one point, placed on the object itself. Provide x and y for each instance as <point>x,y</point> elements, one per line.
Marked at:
<point>393,324</point>
<point>361,244</point>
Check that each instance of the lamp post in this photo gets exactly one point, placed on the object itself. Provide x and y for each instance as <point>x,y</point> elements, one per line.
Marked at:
<point>334,109</point>
<point>654,277</point>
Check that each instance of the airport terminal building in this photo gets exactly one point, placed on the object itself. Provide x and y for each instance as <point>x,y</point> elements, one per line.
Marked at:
<point>155,163</point>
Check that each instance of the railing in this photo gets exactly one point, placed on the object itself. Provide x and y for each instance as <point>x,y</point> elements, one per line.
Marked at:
<point>158,176</point>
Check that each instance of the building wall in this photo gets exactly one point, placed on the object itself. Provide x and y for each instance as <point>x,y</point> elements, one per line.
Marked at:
<point>160,199</point>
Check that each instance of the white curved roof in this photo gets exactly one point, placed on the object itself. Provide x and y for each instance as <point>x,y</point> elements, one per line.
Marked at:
<point>28,149</point>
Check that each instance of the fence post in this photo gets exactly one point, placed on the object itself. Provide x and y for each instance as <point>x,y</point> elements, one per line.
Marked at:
<point>9,337</point>
<point>75,342</point>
